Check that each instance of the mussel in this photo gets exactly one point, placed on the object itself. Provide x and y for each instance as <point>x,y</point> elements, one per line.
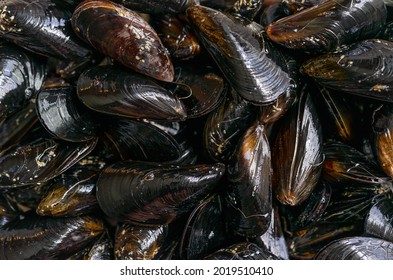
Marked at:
<point>357,248</point>
<point>124,35</point>
<point>297,147</point>
<point>363,68</point>
<point>36,237</point>
<point>326,26</point>
<point>115,91</point>
<point>243,55</point>
<point>249,193</point>
<point>43,27</point>
<point>150,194</point>
<point>21,77</point>
<point>379,221</point>
<point>242,251</point>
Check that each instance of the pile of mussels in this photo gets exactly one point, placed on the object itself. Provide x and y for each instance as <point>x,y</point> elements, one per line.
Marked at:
<point>196,129</point>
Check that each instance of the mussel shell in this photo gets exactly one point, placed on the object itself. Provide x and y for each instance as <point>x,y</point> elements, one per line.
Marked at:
<point>298,159</point>
<point>249,194</point>
<point>119,92</point>
<point>43,27</point>
<point>71,194</point>
<point>123,35</point>
<point>176,36</point>
<point>18,125</point>
<point>379,221</point>
<point>7,211</point>
<point>226,125</point>
<point>382,126</point>
<point>36,237</point>
<point>344,163</point>
<point>159,7</point>
<point>61,113</point>
<point>102,249</point>
<point>150,194</point>
<point>333,23</point>
<point>208,231</point>
<point>207,88</point>
<point>141,243</point>
<point>40,161</point>
<point>241,251</point>
<point>240,51</point>
<point>357,248</point>
<point>273,239</point>
<point>21,77</point>
<point>247,9</point>
<point>363,68</point>
<point>139,140</point>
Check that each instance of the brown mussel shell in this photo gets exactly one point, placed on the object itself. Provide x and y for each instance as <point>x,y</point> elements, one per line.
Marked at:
<point>382,126</point>
<point>115,91</point>
<point>36,237</point>
<point>62,115</point>
<point>43,27</point>
<point>241,52</point>
<point>150,194</point>
<point>357,248</point>
<point>363,68</point>
<point>21,77</point>
<point>298,159</point>
<point>326,26</point>
<point>124,36</point>
<point>249,193</point>
<point>40,161</point>
<point>142,243</point>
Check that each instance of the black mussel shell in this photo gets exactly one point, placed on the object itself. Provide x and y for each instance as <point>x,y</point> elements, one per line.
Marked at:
<point>72,193</point>
<point>248,9</point>
<point>61,113</point>
<point>273,239</point>
<point>242,251</point>
<point>139,140</point>
<point>326,26</point>
<point>243,55</point>
<point>123,35</point>
<point>17,125</point>
<point>206,89</point>
<point>363,68</point>
<point>150,194</point>
<point>43,27</point>
<point>249,193</point>
<point>142,243</point>
<point>344,163</point>
<point>339,118</point>
<point>298,159</point>
<point>176,36</point>
<point>206,229</point>
<point>36,237</point>
<point>357,248</point>
<point>273,12</point>
<point>226,125</point>
<point>102,249</point>
<point>379,221</point>
<point>40,161</point>
<point>382,127</point>
<point>26,198</point>
<point>119,92</point>
<point>8,211</point>
<point>158,7</point>
<point>388,2</point>
<point>21,77</point>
